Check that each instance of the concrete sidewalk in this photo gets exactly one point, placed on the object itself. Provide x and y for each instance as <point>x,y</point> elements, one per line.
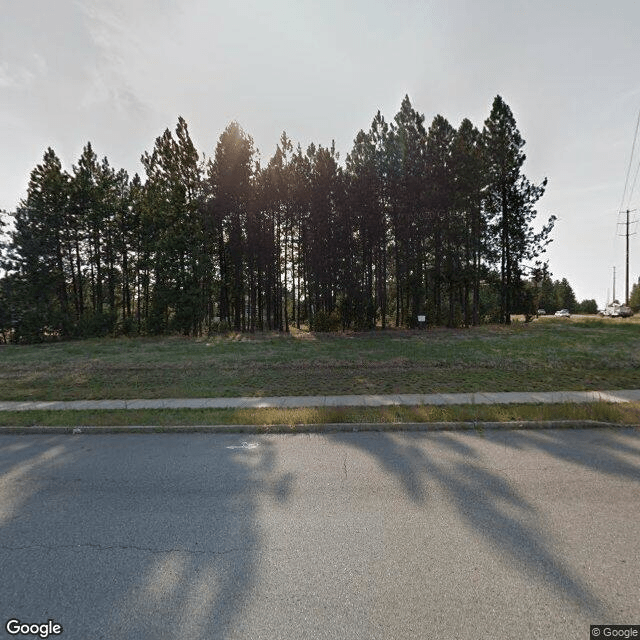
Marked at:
<point>285,402</point>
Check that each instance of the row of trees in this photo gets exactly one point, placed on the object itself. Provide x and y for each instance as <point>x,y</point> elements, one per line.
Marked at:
<point>436,222</point>
<point>553,295</point>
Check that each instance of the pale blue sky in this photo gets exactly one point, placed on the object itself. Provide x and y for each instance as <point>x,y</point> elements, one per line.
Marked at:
<point>117,73</point>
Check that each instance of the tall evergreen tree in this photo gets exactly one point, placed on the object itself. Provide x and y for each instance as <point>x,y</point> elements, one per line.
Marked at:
<point>367,226</point>
<point>407,181</point>
<point>510,200</point>
<point>37,253</point>
<point>174,191</point>
<point>443,230</point>
<point>379,136</point>
<point>325,252</point>
<point>230,183</point>
<point>300,176</point>
<point>469,177</point>
<point>564,295</point>
<point>546,298</point>
<point>88,212</point>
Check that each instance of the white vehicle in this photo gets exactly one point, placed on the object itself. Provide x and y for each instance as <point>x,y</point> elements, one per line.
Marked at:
<point>563,313</point>
<point>616,310</point>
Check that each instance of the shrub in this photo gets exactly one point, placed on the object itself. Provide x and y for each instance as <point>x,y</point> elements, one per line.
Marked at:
<point>96,325</point>
<point>588,306</point>
<point>326,322</point>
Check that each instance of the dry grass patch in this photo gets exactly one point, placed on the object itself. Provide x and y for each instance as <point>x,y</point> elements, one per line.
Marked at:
<point>625,414</point>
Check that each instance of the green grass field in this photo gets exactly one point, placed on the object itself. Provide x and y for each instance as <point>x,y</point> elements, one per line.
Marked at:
<point>546,355</point>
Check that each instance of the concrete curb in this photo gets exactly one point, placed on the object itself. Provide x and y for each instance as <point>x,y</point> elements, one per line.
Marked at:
<point>319,428</point>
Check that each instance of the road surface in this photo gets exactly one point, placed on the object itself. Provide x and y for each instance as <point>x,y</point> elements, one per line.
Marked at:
<point>341,536</point>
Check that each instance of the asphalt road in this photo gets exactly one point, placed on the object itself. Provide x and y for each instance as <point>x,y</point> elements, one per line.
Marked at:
<point>520,534</point>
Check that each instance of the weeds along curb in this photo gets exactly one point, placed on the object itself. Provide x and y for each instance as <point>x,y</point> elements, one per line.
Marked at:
<point>322,428</point>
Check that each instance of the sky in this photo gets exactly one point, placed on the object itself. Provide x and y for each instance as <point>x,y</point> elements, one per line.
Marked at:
<point>117,73</point>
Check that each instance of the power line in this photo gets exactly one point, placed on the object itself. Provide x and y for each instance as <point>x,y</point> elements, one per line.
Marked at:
<point>633,146</point>
<point>633,186</point>
<point>624,193</point>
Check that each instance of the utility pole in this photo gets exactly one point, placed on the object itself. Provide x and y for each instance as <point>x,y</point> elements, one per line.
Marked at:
<point>626,281</point>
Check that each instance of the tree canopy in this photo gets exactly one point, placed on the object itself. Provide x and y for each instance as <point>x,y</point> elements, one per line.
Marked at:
<point>419,221</point>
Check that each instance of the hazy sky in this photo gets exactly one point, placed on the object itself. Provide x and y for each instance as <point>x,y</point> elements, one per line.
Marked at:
<point>118,72</point>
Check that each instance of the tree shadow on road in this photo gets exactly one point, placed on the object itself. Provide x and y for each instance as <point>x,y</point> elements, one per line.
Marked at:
<point>144,537</point>
<point>485,500</point>
<point>603,451</point>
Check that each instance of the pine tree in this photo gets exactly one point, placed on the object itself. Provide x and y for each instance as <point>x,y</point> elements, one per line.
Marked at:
<point>546,298</point>
<point>407,179</point>
<point>87,208</point>
<point>442,229</point>
<point>323,235</point>
<point>367,227</point>
<point>300,176</point>
<point>510,200</point>
<point>470,180</point>
<point>379,136</point>
<point>230,183</point>
<point>37,253</point>
<point>565,298</point>
<point>174,202</point>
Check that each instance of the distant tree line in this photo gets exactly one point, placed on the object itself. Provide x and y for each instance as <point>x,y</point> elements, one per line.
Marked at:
<point>552,295</point>
<point>436,222</point>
